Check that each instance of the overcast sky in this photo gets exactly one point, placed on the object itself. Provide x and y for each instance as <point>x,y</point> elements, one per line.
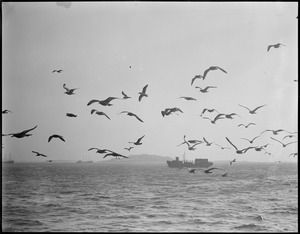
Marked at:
<point>105,48</point>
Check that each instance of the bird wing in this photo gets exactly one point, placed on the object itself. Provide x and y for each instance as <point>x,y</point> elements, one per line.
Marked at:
<point>213,168</point>
<point>245,139</point>
<point>251,124</point>
<point>269,47</point>
<point>205,72</point>
<point>92,111</point>
<point>291,143</point>
<point>105,115</point>
<point>205,140</point>
<point>258,107</point>
<point>139,140</point>
<point>92,101</point>
<point>208,87</point>
<point>110,99</point>
<point>50,137</point>
<point>231,143</point>
<point>219,116</point>
<point>26,131</point>
<point>93,148</point>
<point>221,69</point>
<point>35,152</point>
<point>60,137</point>
<point>144,89</point>
<point>124,94</point>
<point>194,79</point>
<point>65,87</point>
<point>276,140</point>
<point>137,117</point>
<point>244,107</point>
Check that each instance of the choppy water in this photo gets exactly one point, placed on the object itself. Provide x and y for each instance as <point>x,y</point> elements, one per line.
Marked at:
<point>255,197</point>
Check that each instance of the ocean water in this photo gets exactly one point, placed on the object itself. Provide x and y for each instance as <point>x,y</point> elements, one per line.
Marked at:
<point>98,197</point>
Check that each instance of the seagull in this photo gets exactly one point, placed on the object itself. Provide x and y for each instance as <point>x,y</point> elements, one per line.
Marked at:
<point>293,154</point>
<point>129,148</point>
<point>208,171</point>
<point>39,154</point>
<point>6,111</point>
<point>229,116</point>
<point>219,116</point>
<point>143,93</point>
<point>232,162</point>
<point>21,134</point>
<point>283,145</point>
<point>138,142</point>
<point>105,102</point>
<point>71,115</point>
<point>254,110</point>
<point>275,46</point>
<point>189,98</point>
<point>114,154</point>
<point>101,151</point>
<point>289,136</point>
<point>55,136</point>
<point>251,141</point>
<point>212,68</point>
<point>275,132</point>
<point>132,114</point>
<point>225,174</point>
<point>242,151</point>
<point>222,147</point>
<point>209,110</point>
<point>69,91</point>
<point>246,126</point>
<point>207,143</point>
<point>169,111</point>
<point>193,146</point>
<point>260,148</point>
<point>205,90</point>
<point>99,113</point>
<point>125,96</point>
<point>58,71</point>
<point>196,77</point>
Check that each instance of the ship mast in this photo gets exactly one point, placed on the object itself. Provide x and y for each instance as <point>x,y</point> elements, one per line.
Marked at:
<point>183,156</point>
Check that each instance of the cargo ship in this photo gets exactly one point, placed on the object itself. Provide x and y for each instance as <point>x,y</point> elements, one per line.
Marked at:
<point>199,163</point>
<point>9,160</point>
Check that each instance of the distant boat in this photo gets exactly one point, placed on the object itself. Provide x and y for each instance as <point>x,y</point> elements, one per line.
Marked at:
<point>8,161</point>
<point>199,163</point>
<point>87,161</point>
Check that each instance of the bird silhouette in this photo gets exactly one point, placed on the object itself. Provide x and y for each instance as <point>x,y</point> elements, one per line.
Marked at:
<point>125,96</point>
<point>222,147</point>
<point>241,151</point>
<point>247,125</point>
<point>71,115</point>
<point>251,141</point>
<point>6,111</point>
<point>275,132</point>
<point>254,110</point>
<point>209,110</point>
<point>283,145</point>
<point>58,71</point>
<point>293,155</point>
<point>212,68</point>
<point>105,102</point>
<point>209,170</point>
<point>205,90</point>
<point>69,91</point>
<point>192,147</point>
<point>196,77</point>
<point>289,136</point>
<point>99,113</point>
<point>101,151</point>
<point>129,148</point>
<point>56,136</point>
<point>213,121</point>
<point>275,46</point>
<point>232,162</point>
<point>138,142</point>
<point>132,114</point>
<point>169,111</point>
<point>191,170</point>
<point>114,154</point>
<point>189,98</point>
<point>229,116</point>
<point>20,134</point>
<point>260,148</point>
<point>207,143</point>
<point>143,93</point>
<point>39,154</point>
<point>225,174</point>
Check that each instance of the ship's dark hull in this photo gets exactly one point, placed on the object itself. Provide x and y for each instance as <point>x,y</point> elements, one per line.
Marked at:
<point>180,164</point>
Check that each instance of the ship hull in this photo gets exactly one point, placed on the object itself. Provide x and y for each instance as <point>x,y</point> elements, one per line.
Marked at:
<point>180,164</point>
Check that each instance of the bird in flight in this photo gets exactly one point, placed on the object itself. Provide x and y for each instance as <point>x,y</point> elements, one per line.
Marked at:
<point>125,96</point>
<point>289,136</point>
<point>169,111</point>
<point>209,110</point>
<point>242,151</point>
<point>205,90</point>
<point>213,121</point>
<point>143,93</point>
<point>189,98</point>
<point>225,174</point>
<point>114,154</point>
<point>132,114</point>
<point>251,141</point>
<point>99,113</point>
<point>246,126</point>
<point>207,143</point>
<point>254,110</point>
<point>138,142</point>
<point>6,111</point>
<point>55,136</point>
<point>196,77</point>
<point>222,147</point>
<point>58,71</point>
<point>275,132</point>
<point>293,155</point>
<point>275,46</point>
<point>69,91</point>
<point>191,170</point>
<point>100,151</point>
<point>105,102</point>
<point>39,154</point>
<point>232,162</point>
<point>209,170</point>
<point>212,68</point>
<point>21,134</point>
<point>229,116</point>
<point>71,115</point>
<point>129,148</point>
<point>260,148</point>
<point>283,145</point>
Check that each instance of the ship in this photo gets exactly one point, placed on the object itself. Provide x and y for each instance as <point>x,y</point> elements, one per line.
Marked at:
<point>198,163</point>
<point>87,161</point>
<point>9,160</point>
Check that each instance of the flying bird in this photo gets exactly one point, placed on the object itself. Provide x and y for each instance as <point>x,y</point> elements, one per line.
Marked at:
<point>293,155</point>
<point>275,46</point>
<point>100,151</point>
<point>207,143</point>
<point>283,145</point>
<point>6,111</point>
<point>222,147</point>
<point>232,162</point>
<point>252,140</point>
<point>196,77</point>
<point>99,113</point>
<point>143,93</point>
<point>191,170</point>
<point>205,90</point>
<point>209,110</point>
<point>132,114</point>
<point>56,136</point>
<point>129,148</point>
<point>229,116</point>
<point>212,68</point>
<point>213,121</point>
<point>21,134</point>
<point>39,154</point>
<point>58,71</point>
<point>246,126</point>
<point>105,102</point>
<point>275,132</point>
<point>71,115</point>
<point>260,148</point>
<point>242,151</point>
<point>189,98</point>
<point>125,96</point>
<point>114,154</point>
<point>138,142</point>
<point>254,110</point>
<point>169,111</point>
<point>209,170</point>
<point>69,91</point>
<point>289,136</point>
<point>225,174</point>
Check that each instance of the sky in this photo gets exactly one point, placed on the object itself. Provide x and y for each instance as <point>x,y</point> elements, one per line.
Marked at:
<point>105,48</point>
